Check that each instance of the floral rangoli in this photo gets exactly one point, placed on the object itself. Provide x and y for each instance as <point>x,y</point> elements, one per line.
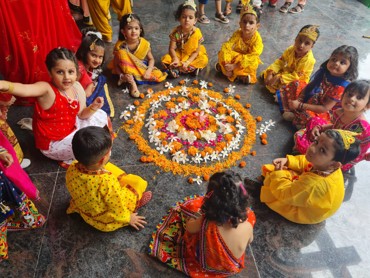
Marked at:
<point>190,130</point>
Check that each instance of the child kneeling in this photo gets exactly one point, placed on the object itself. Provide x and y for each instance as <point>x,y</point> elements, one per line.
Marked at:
<point>308,189</point>
<point>104,195</point>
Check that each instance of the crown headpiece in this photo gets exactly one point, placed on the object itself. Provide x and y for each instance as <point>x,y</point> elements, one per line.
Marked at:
<point>190,3</point>
<point>247,9</point>
<point>348,137</point>
<point>310,32</point>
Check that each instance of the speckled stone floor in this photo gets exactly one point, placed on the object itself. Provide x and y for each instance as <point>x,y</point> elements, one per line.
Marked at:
<point>338,247</point>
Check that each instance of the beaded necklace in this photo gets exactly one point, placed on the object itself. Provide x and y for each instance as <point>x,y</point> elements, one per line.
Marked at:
<point>73,103</point>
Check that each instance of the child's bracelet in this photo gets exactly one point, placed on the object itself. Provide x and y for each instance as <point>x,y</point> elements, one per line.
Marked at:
<point>10,87</point>
<point>300,107</point>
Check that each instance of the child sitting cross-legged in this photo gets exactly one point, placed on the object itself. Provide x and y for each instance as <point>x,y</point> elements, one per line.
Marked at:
<point>307,189</point>
<point>104,195</point>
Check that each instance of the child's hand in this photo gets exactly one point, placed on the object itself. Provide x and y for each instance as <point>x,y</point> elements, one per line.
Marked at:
<point>293,104</point>
<point>147,74</point>
<point>230,67</point>
<point>137,221</point>
<point>6,158</point>
<point>98,103</point>
<point>280,163</point>
<point>175,63</point>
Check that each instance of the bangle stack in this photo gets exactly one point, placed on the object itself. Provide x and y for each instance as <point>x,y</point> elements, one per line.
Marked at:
<point>300,106</point>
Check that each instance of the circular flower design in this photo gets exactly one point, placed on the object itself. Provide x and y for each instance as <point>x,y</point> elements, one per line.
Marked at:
<point>190,130</point>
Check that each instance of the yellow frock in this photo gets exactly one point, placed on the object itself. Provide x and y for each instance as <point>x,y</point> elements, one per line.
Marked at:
<point>185,48</point>
<point>105,198</point>
<point>299,195</point>
<point>247,54</point>
<point>290,68</point>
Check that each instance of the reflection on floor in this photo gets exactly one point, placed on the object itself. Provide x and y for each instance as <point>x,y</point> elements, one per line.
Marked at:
<point>67,247</point>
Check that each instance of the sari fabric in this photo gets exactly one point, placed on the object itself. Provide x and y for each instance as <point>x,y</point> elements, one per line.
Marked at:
<point>29,30</point>
<point>203,254</point>
<point>134,63</point>
<point>244,53</point>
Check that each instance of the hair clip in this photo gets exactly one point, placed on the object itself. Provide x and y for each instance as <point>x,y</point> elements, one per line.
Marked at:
<point>92,45</point>
<point>98,34</point>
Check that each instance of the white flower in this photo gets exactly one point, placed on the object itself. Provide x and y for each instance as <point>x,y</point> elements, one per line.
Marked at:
<point>198,180</point>
<point>197,158</point>
<point>176,109</point>
<point>224,128</point>
<point>220,116</point>
<point>203,104</point>
<point>184,105</point>
<point>214,156</point>
<point>186,80</point>
<point>168,85</point>
<point>162,149</point>
<point>138,116</point>
<point>180,157</point>
<point>172,126</point>
<point>125,115</point>
<point>183,89</point>
<point>187,135</point>
<point>131,107</point>
<point>203,84</point>
<point>125,90</point>
<point>173,93</point>
<point>224,153</point>
<point>208,135</point>
<point>207,157</point>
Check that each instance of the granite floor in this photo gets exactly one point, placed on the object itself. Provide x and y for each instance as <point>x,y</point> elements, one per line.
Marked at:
<point>67,247</point>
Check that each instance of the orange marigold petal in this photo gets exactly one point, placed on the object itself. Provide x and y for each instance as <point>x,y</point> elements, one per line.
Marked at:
<point>264,141</point>
<point>242,164</point>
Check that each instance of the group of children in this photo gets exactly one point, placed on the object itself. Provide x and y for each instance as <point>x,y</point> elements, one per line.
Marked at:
<point>201,235</point>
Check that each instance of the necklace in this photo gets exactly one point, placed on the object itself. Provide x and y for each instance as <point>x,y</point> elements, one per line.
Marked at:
<point>73,103</point>
<point>184,38</point>
<point>340,124</point>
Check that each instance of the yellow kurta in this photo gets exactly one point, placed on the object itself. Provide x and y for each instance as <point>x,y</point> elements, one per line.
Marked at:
<point>99,11</point>
<point>133,63</point>
<point>299,196</point>
<point>184,50</point>
<point>105,199</point>
<point>246,53</point>
<point>291,68</point>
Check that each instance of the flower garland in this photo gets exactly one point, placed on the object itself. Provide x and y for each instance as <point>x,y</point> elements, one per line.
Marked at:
<point>190,130</point>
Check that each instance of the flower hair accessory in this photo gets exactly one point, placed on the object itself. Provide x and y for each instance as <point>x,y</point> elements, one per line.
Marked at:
<point>98,34</point>
<point>242,188</point>
<point>92,45</point>
<point>190,3</point>
<point>310,32</point>
<point>348,137</point>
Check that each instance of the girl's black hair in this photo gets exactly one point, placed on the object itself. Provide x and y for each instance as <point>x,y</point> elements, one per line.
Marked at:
<point>226,200</point>
<point>316,30</point>
<point>87,41</point>
<point>124,22</point>
<point>181,8</point>
<point>341,154</point>
<point>350,52</point>
<point>359,88</point>
<point>90,144</point>
<point>60,53</point>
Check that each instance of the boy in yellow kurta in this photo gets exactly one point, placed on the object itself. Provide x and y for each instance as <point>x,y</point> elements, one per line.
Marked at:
<point>309,189</point>
<point>239,57</point>
<point>105,196</point>
<point>186,52</point>
<point>296,63</point>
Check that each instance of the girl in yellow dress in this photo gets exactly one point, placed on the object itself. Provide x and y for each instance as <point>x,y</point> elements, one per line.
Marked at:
<point>133,58</point>
<point>296,63</point>
<point>239,57</point>
<point>186,52</point>
<point>104,195</point>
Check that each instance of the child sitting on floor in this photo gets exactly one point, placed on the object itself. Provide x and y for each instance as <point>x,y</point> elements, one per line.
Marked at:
<point>186,52</point>
<point>296,63</point>
<point>307,189</point>
<point>133,58</point>
<point>239,57</point>
<point>207,236</point>
<point>104,195</point>
<point>355,102</point>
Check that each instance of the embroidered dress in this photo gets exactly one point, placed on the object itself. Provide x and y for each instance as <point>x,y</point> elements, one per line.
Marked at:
<point>358,125</point>
<point>323,87</point>
<point>185,46</point>
<point>300,195</point>
<point>291,68</point>
<point>202,254</point>
<point>246,53</point>
<point>54,128</point>
<point>134,63</point>
<point>106,198</point>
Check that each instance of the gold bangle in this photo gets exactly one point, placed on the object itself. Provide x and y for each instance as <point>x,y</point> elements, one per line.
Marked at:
<point>94,110</point>
<point>11,87</point>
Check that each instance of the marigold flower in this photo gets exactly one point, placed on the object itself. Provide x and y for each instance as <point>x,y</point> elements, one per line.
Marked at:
<point>263,136</point>
<point>182,82</point>
<point>264,141</point>
<point>210,84</point>
<point>141,95</point>
<point>248,105</point>
<point>143,159</point>
<point>136,103</point>
<point>195,82</point>
<point>258,118</point>
<point>190,180</point>
<point>237,97</point>
<point>206,177</point>
<point>130,122</point>
<point>253,153</point>
<point>242,164</point>
<point>226,90</point>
